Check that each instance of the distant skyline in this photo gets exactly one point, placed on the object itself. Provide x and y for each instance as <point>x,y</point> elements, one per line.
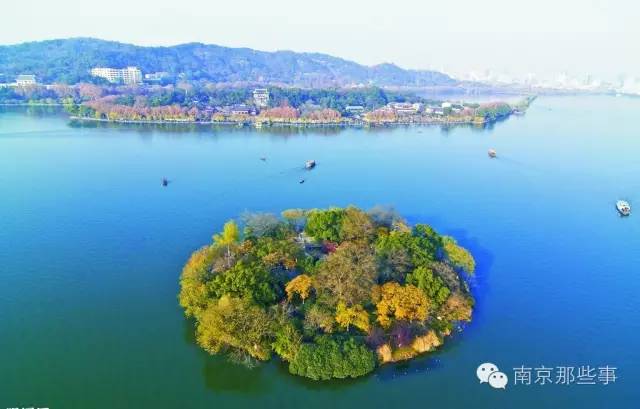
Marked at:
<point>545,37</point>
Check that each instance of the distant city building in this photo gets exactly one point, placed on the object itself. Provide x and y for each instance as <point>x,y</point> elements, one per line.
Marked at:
<point>446,105</point>
<point>156,76</point>
<point>261,97</point>
<point>25,80</point>
<point>129,75</point>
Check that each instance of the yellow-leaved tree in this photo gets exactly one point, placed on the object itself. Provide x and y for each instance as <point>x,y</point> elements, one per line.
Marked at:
<point>402,303</point>
<point>355,315</point>
<point>229,236</point>
<point>300,285</point>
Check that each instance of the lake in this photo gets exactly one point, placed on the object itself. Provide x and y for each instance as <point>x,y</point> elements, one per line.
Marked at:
<point>91,247</point>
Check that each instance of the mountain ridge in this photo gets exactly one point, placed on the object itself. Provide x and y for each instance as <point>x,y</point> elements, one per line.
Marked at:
<point>69,61</point>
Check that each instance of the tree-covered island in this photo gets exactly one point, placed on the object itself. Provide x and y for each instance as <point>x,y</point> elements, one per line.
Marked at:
<point>333,292</point>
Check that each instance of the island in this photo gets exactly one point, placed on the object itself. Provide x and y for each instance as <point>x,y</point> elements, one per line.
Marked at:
<point>333,293</point>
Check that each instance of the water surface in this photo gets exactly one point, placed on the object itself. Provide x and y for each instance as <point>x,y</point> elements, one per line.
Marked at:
<point>91,247</point>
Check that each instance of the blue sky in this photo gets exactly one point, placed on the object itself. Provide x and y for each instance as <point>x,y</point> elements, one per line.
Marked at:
<point>539,36</point>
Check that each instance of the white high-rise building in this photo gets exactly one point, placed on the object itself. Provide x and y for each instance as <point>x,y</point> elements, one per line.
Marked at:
<point>129,75</point>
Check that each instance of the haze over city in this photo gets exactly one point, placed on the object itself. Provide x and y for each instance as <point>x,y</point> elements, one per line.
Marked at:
<point>471,40</point>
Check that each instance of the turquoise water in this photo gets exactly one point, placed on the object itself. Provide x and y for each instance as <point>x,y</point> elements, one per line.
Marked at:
<point>91,247</point>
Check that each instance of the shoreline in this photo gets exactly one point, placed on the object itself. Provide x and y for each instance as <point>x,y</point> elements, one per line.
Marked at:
<point>283,124</point>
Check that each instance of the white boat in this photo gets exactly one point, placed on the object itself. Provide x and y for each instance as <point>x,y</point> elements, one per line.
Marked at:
<point>310,164</point>
<point>492,153</point>
<point>623,207</point>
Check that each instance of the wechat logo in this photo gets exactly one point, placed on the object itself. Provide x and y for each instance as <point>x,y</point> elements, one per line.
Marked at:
<point>489,373</point>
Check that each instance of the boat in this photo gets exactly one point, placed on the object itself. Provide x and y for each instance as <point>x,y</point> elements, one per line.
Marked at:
<point>492,153</point>
<point>301,181</point>
<point>624,208</point>
<point>165,182</point>
<point>310,164</point>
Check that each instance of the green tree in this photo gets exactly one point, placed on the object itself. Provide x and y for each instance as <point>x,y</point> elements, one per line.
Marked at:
<point>325,224</point>
<point>328,358</point>
<point>248,280</point>
<point>287,337</point>
<point>432,285</point>
<point>459,256</point>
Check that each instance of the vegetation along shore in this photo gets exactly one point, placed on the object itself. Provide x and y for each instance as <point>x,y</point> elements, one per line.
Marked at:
<point>189,102</point>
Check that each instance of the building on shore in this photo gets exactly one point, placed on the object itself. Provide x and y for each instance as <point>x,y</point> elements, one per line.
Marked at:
<point>354,109</point>
<point>25,80</point>
<point>238,109</point>
<point>406,108</point>
<point>156,76</point>
<point>261,97</point>
<point>129,75</point>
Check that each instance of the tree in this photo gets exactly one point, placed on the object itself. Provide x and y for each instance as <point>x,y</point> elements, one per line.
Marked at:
<point>356,225</point>
<point>402,303</point>
<point>261,224</point>
<point>459,256</point>
<point>249,280</point>
<point>432,286</point>
<point>392,254</point>
<point>287,338</point>
<point>356,316</point>
<point>276,253</point>
<point>194,295</point>
<point>235,323</point>
<point>297,218</point>
<point>384,216</point>
<point>229,236</point>
<point>347,275</point>
<point>457,308</point>
<point>325,224</point>
<point>317,318</point>
<point>328,358</point>
<point>300,285</point>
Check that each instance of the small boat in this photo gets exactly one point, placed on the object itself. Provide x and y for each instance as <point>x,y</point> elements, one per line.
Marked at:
<point>263,159</point>
<point>301,181</point>
<point>165,182</point>
<point>624,208</point>
<point>492,153</point>
<point>310,164</point>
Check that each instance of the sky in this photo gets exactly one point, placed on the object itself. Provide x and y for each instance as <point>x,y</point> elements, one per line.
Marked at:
<point>543,37</point>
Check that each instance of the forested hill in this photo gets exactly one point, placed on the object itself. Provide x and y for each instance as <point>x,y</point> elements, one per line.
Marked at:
<point>69,61</point>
